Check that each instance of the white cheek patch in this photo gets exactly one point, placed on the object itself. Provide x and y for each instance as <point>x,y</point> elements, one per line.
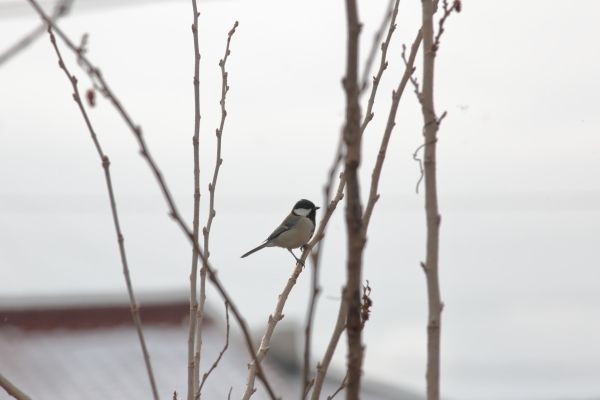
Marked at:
<point>302,211</point>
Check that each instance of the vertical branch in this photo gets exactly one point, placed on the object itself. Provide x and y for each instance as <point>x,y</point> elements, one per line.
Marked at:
<point>12,390</point>
<point>323,366</point>
<point>352,138</point>
<point>315,257</point>
<point>382,67</point>
<point>211,191</point>
<point>390,21</point>
<point>193,352</point>
<point>135,313</point>
<point>364,80</point>
<point>433,218</point>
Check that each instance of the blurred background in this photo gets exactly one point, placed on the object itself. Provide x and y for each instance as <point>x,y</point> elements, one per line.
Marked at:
<point>519,167</point>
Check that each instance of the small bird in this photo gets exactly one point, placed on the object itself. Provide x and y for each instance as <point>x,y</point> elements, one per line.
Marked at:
<point>295,230</point>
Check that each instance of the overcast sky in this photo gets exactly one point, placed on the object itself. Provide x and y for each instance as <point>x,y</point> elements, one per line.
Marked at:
<point>519,166</point>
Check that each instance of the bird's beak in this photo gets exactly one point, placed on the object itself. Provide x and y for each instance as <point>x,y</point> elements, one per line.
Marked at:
<point>316,208</point>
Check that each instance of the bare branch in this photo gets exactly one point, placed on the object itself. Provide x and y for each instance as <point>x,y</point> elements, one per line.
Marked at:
<point>354,212</point>
<point>12,390</point>
<point>430,129</point>
<point>340,388</point>
<point>456,6</point>
<point>323,366</point>
<point>216,363</point>
<point>396,96</point>
<point>211,189</point>
<point>382,67</point>
<point>173,211</point>
<point>366,75</point>
<point>282,298</point>
<point>391,123</point>
<point>61,9</point>
<point>339,156</point>
<point>413,78</point>
<point>194,346</point>
<point>120,239</point>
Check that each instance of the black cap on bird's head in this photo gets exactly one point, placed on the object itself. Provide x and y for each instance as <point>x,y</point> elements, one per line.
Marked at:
<point>305,208</point>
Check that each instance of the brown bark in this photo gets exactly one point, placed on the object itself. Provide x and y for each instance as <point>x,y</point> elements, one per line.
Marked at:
<point>431,205</point>
<point>352,138</point>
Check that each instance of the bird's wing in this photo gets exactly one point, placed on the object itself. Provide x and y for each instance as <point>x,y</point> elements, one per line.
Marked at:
<point>286,225</point>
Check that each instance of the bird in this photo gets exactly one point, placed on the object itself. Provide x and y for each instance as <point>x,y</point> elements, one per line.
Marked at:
<point>295,230</point>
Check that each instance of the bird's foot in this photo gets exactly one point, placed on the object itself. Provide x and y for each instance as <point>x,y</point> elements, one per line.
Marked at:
<point>298,261</point>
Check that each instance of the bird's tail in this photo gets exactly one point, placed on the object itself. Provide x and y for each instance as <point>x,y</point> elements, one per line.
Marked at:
<point>254,250</point>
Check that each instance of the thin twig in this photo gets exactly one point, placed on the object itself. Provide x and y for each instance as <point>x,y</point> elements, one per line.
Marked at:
<point>456,6</point>
<point>315,257</point>
<point>105,89</point>
<point>216,363</point>
<point>211,191</point>
<point>194,346</point>
<point>413,78</point>
<point>323,366</point>
<point>120,239</point>
<point>12,390</point>
<point>61,9</point>
<point>282,298</point>
<point>364,81</point>
<point>391,123</point>
<point>382,67</point>
<point>340,388</point>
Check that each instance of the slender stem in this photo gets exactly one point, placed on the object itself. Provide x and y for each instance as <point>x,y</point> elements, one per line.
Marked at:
<point>193,351</point>
<point>223,350</point>
<point>382,67</point>
<point>211,192</point>
<point>340,388</point>
<point>136,130</point>
<point>396,96</point>
<point>433,218</point>
<point>12,390</point>
<point>113,206</point>
<point>315,257</point>
<point>323,366</point>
